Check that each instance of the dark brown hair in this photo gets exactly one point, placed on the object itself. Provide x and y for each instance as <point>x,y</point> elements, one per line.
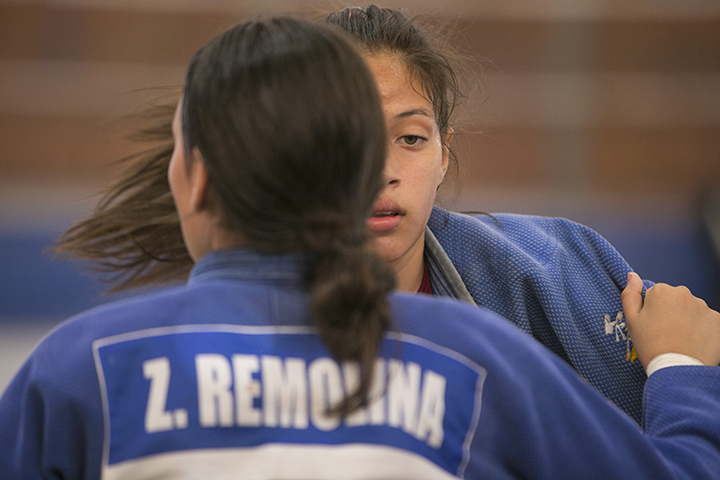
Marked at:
<point>423,49</point>
<point>133,234</point>
<point>133,237</point>
<point>291,131</point>
<point>289,123</point>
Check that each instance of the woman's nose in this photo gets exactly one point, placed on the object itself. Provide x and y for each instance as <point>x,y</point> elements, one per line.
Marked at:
<point>391,172</point>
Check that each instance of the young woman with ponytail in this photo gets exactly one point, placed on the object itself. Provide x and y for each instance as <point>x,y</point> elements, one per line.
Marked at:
<point>286,357</point>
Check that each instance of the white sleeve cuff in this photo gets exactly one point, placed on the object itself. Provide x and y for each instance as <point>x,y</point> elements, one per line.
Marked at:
<point>670,360</point>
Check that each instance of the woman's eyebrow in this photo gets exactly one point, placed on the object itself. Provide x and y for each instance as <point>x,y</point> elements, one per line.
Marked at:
<point>410,113</point>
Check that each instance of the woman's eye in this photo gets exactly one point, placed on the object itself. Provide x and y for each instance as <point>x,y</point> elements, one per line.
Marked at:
<point>411,139</point>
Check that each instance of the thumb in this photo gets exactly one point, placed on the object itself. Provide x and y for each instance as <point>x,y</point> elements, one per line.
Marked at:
<point>631,297</point>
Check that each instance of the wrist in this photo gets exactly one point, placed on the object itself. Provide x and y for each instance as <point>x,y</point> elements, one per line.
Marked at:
<point>665,360</point>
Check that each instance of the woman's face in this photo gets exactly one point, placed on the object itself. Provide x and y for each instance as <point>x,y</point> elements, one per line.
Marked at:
<point>415,166</point>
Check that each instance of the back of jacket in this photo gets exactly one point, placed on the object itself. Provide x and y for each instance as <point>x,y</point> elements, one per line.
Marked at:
<point>226,378</point>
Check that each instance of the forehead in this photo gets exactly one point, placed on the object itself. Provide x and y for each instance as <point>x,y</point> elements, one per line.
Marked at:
<point>398,90</point>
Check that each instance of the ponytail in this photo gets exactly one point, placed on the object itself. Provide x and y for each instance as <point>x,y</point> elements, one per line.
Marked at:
<point>349,288</point>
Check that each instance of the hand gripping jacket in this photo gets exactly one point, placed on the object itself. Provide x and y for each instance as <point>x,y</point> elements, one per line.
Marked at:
<point>555,279</point>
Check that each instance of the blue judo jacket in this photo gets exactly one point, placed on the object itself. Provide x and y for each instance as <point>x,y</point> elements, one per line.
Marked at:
<point>555,279</point>
<point>227,378</point>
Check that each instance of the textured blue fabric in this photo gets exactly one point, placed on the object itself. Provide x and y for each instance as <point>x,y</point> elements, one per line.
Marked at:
<point>558,281</point>
<point>119,390</point>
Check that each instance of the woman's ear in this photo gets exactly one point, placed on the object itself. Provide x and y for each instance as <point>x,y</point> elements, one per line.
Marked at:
<point>446,139</point>
<point>199,187</point>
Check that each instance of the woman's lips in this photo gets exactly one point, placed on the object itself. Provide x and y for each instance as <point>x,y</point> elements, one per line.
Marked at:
<point>386,215</point>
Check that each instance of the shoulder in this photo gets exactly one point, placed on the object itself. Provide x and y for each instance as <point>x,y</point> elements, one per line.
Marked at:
<point>508,225</point>
<point>121,314</point>
<point>475,332</point>
<point>73,338</point>
<point>70,342</point>
<point>539,238</point>
<point>176,305</point>
<point>67,351</point>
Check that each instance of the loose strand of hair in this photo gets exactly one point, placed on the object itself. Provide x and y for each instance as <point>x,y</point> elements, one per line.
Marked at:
<point>133,238</point>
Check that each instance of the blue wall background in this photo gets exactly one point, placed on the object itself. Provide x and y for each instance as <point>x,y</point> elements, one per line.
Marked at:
<point>33,285</point>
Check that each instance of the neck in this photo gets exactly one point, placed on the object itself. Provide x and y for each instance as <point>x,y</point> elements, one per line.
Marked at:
<point>224,238</point>
<point>216,238</point>
<point>409,269</point>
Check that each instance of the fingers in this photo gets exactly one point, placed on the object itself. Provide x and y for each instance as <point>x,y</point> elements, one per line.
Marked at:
<point>631,297</point>
<point>670,320</point>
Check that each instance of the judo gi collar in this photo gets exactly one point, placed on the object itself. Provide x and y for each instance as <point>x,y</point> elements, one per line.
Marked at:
<point>248,265</point>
